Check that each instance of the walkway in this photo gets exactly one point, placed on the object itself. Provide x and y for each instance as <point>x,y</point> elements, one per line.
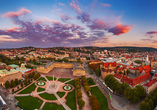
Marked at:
<point>58,87</point>
<point>86,99</point>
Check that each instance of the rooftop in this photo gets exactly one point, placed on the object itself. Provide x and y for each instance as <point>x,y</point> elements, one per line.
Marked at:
<point>150,83</point>
<point>13,65</point>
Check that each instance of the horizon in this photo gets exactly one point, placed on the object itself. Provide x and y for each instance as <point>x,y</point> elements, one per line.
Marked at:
<point>78,23</point>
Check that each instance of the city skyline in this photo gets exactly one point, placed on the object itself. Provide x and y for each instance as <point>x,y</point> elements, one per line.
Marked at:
<point>78,23</point>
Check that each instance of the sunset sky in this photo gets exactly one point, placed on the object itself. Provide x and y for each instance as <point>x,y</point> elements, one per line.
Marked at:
<point>75,23</point>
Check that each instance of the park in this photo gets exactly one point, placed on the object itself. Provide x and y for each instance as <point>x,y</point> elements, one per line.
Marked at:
<point>57,92</point>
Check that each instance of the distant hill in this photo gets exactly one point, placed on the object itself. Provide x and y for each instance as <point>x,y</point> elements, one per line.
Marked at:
<point>126,48</point>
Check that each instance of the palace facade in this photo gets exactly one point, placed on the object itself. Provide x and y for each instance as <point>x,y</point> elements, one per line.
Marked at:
<point>77,68</point>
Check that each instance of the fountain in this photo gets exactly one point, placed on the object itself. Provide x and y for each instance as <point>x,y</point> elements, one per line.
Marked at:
<point>41,83</point>
<point>67,87</point>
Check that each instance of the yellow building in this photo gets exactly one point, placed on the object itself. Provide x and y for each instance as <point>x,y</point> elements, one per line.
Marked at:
<point>77,68</point>
<point>6,75</point>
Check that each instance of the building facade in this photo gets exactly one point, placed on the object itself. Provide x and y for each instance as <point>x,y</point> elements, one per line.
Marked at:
<point>77,68</point>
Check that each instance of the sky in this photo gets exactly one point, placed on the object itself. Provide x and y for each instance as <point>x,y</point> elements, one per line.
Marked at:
<point>76,23</point>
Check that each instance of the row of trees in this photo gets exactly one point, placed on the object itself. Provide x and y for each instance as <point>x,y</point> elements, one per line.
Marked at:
<point>80,102</point>
<point>150,101</point>
<point>93,101</point>
<point>85,84</point>
<point>133,95</point>
<point>12,83</point>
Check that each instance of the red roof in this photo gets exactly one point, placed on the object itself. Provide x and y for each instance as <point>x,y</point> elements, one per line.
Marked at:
<point>141,79</point>
<point>133,81</point>
<point>120,69</point>
<point>110,63</point>
<point>95,61</point>
<point>150,83</point>
<point>117,75</point>
<point>127,80</point>
<point>30,71</point>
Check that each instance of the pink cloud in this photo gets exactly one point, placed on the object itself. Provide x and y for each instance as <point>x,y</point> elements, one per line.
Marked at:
<point>106,5</point>
<point>75,6</point>
<point>22,11</point>
<point>120,29</point>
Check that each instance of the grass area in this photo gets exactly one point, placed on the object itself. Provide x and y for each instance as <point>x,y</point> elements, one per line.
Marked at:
<point>52,106</point>
<point>71,100</point>
<point>90,81</point>
<point>28,89</point>
<point>42,79</point>
<point>40,89</point>
<point>61,94</point>
<point>50,78</point>
<point>100,97</point>
<point>29,103</point>
<point>63,79</point>
<point>71,82</point>
<point>48,96</point>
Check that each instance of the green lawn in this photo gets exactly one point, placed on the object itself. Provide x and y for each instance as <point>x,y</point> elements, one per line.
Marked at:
<point>29,103</point>
<point>71,82</point>
<point>61,94</point>
<point>28,89</point>
<point>50,78</point>
<point>71,100</point>
<point>42,79</point>
<point>48,96</point>
<point>90,81</point>
<point>100,97</point>
<point>40,89</point>
<point>52,106</point>
<point>63,79</point>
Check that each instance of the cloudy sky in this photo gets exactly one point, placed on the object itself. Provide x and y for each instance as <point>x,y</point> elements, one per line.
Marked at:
<point>103,23</point>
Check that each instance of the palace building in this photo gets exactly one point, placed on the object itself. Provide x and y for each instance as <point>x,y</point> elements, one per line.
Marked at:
<point>6,75</point>
<point>77,68</point>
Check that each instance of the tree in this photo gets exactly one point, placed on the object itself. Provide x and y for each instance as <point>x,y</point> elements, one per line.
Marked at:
<point>87,88</point>
<point>140,90</point>
<point>79,95</point>
<point>151,103</point>
<point>127,93</point>
<point>95,105</point>
<point>124,86</point>
<point>16,81</point>
<point>21,85</point>
<point>81,103</point>
<point>97,71</point>
<point>78,86</point>
<point>36,76</point>
<point>78,90</point>
<point>7,84</point>
<point>13,83</point>
<point>25,82</point>
<point>31,74</point>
